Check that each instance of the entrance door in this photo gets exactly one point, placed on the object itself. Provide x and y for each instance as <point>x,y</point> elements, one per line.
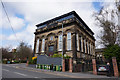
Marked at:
<point>51,50</point>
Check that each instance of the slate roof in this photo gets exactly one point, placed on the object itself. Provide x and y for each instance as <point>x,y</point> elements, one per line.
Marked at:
<point>43,59</point>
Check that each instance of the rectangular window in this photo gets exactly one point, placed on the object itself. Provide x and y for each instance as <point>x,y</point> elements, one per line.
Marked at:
<point>85,45</point>
<point>91,49</point>
<point>68,41</point>
<point>37,46</point>
<point>88,47</point>
<point>77,37</point>
<point>43,45</point>
<point>81,44</point>
<point>60,43</point>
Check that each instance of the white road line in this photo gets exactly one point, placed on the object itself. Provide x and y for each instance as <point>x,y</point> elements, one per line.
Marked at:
<point>20,73</point>
<point>5,69</point>
<point>36,77</point>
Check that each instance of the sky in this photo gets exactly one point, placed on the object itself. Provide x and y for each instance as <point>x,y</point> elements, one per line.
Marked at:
<point>24,15</point>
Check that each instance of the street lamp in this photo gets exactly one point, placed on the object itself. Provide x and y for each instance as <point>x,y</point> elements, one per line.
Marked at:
<point>62,45</point>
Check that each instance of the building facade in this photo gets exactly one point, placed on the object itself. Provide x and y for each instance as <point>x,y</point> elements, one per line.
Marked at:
<point>99,55</point>
<point>77,40</point>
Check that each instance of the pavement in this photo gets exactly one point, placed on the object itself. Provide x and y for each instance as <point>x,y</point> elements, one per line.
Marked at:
<point>62,74</point>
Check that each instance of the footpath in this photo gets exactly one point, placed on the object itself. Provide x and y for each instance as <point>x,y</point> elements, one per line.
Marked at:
<point>66,74</point>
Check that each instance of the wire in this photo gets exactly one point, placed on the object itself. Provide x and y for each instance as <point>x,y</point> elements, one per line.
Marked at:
<point>9,20</point>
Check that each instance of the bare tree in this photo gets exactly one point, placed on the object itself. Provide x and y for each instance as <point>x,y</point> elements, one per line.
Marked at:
<point>24,51</point>
<point>6,54</point>
<point>107,19</point>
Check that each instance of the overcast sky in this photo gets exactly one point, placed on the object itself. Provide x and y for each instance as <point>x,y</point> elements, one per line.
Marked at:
<point>25,15</point>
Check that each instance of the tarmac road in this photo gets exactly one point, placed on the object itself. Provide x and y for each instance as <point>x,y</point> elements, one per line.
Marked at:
<point>14,72</point>
<point>20,72</point>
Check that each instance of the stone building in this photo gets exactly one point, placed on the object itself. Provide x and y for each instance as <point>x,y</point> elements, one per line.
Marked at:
<point>78,40</point>
<point>99,55</point>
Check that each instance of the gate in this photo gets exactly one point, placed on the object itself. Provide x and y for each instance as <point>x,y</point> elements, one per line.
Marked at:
<point>66,64</point>
<point>101,63</point>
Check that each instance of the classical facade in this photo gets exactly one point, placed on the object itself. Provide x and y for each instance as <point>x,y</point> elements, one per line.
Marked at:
<point>99,54</point>
<point>77,38</point>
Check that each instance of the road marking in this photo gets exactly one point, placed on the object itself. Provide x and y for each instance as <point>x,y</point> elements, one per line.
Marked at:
<point>36,77</point>
<point>20,73</point>
<point>5,69</point>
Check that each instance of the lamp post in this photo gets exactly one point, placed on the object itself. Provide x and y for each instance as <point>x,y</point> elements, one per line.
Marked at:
<point>62,44</point>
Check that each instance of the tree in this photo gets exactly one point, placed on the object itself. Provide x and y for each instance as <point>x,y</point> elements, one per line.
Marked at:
<point>24,51</point>
<point>112,51</point>
<point>107,19</point>
<point>6,54</point>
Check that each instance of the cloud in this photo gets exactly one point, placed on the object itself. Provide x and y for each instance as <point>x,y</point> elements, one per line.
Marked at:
<point>37,12</point>
<point>17,23</point>
<point>26,35</point>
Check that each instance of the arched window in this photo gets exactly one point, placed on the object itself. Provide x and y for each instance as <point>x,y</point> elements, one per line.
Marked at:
<point>69,41</point>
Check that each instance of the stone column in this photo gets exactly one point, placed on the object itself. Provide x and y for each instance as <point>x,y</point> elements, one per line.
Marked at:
<point>94,66</point>
<point>70,65</point>
<point>64,44</point>
<point>40,41</point>
<point>116,74</point>
<point>74,46</point>
<point>63,65</point>
<point>46,46</point>
<point>56,43</point>
<point>74,50</point>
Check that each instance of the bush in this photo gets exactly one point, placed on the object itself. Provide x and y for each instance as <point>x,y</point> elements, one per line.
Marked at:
<point>60,55</point>
<point>16,61</point>
<point>67,57</point>
<point>4,61</point>
<point>32,61</point>
<point>23,61</point>
<point>56,55</point>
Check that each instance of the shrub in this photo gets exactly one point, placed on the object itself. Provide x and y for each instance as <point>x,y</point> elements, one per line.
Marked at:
<point>60,55</point>
<point>4,61</point>
<point>16,61</point>
<point>56,55</point>
<point>32,60</point>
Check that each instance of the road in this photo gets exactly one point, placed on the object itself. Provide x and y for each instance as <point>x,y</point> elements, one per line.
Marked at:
<point>16,72</point>
<point>13,72</point>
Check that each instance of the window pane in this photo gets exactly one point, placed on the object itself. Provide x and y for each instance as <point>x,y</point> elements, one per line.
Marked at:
<point>43,44</point>
<point>68,35</point>
<point>68,41</point>
<point>51,37</point>
<point>77,37</point>
<point>81,44</point>
<point>37,46</point>
<point>85,45</point>
<point>60,43</point>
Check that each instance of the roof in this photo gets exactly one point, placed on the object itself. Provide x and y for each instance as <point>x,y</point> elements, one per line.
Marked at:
<point>43,59</point>
<point>65,15</point>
